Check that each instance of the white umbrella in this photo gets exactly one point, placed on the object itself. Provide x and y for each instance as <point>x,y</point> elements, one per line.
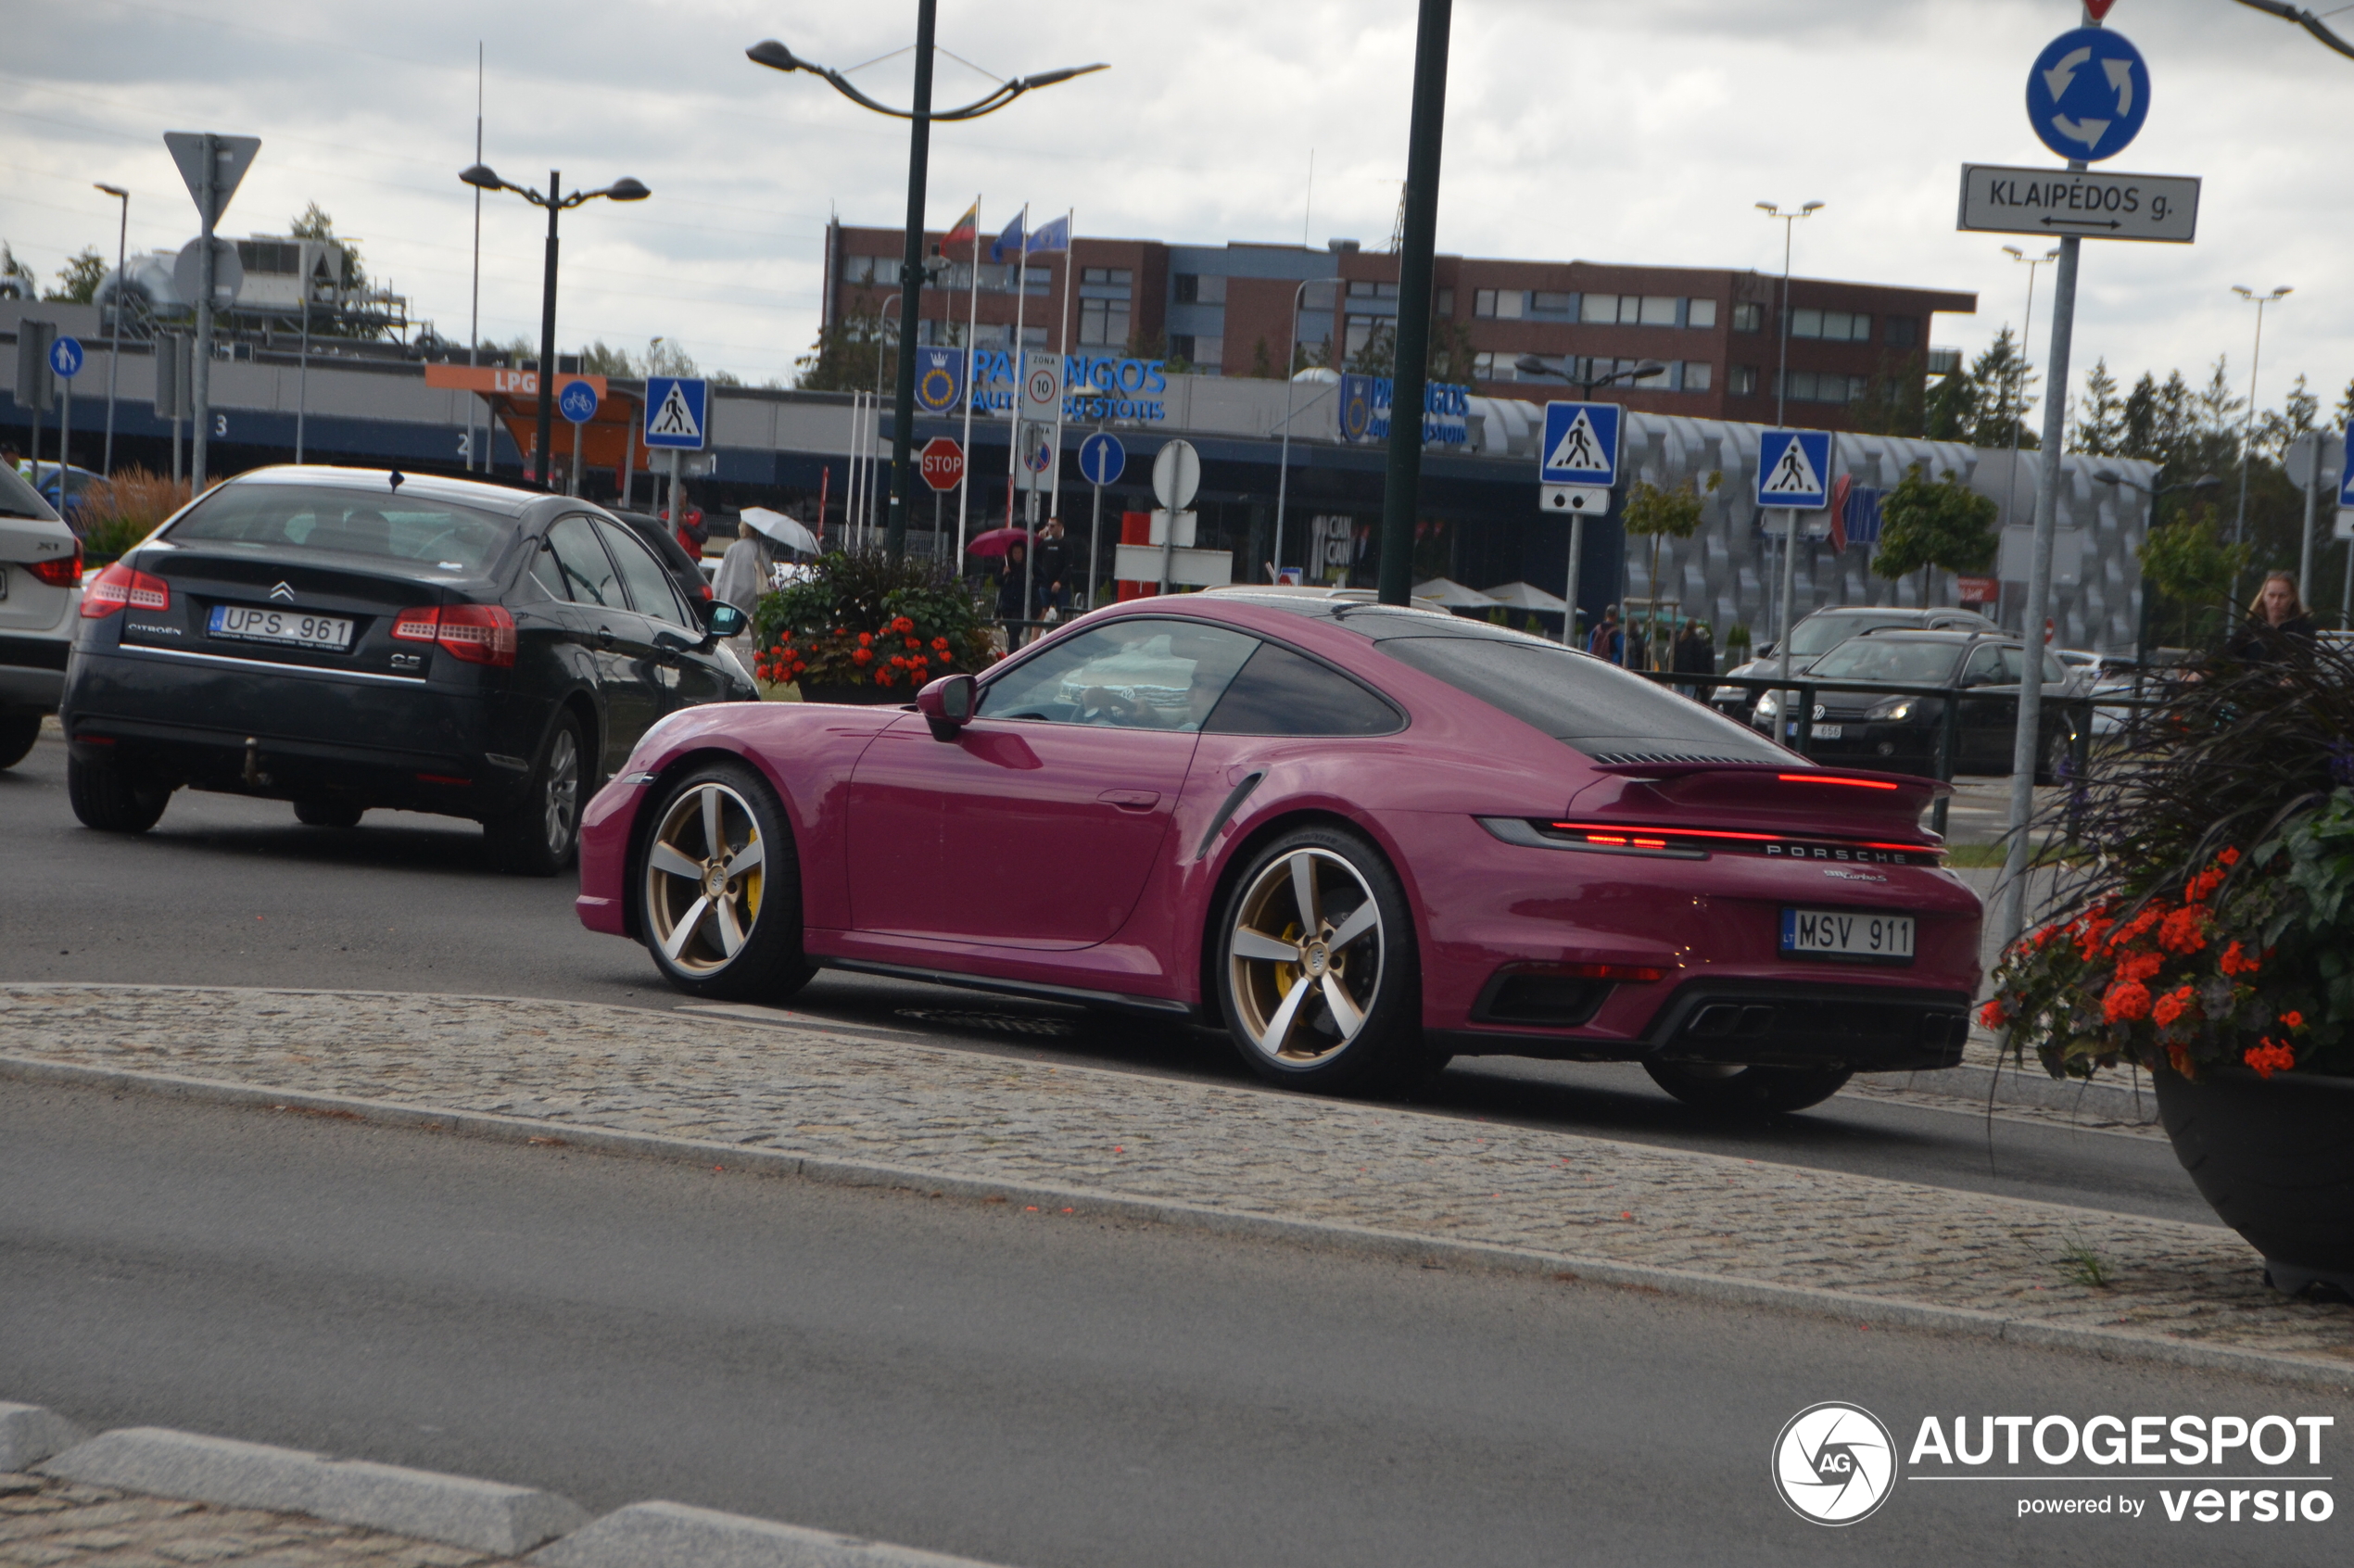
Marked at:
<point>1452,594</point>
<point>1528,596</point>
<point>779,527</point>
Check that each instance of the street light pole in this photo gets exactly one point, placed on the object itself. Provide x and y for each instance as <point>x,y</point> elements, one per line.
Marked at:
<point>482,179</point>
<point>775,57</point>
<point>2026,333</point>
<point>1425,134</point>
<point>121,287</point>
<point>1283,471</point>
<point>2247,432</point>
<point>1781,395</point>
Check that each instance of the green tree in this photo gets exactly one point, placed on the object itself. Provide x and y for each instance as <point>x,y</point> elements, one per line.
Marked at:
<point>2099,423</point>
<point>1659,514</point>
<point>1379,355</point>
<point>1895,399</point>
<point>1927,526</point>
<point>1950,411</point>
<point>79,279</point>
<point>2344,413</point>
<point>17,280</point>
<point>2193,565</point>
<point>2003,384</point>
<point>846,355</point>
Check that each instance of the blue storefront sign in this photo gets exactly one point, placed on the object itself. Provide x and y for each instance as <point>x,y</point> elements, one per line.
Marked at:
<point>1364,410</point>
<point>1094,386</point>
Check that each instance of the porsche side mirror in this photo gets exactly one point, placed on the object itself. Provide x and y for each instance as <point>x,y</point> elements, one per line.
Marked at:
<point>947,705</point>
<point>721,619</point>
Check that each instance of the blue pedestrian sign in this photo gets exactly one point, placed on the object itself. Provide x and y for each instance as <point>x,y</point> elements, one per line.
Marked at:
<point>65,357</point>
<point>940,378</point>
<point>1794,469</point>
<point>677,411</point>
<point>2088,94</point>
<point>1101,457</point>
<point>578,402</point>
<point>1580,445</point>
<point>2345,475</point>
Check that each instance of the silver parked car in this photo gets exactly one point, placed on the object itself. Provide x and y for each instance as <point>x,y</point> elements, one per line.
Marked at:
<point>40,590</point>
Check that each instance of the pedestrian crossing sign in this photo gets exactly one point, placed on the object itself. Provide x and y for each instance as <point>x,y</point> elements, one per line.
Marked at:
<point>1793,469</point>
<point>676,407</point>
<point>1580,445</point>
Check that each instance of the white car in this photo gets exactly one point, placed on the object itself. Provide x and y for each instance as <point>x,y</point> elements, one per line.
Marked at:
<point>40,592</point>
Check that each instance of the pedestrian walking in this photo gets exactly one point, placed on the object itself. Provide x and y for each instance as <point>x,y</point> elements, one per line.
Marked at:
<point>1054,570</point>
<point>689,525</point>
<point>1695,654</point>
<point>1607,642</point>
<point>1012,606</point>
<point>2278,626</point>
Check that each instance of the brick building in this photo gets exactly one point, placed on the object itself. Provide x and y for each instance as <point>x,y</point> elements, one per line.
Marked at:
<point>1714,333</point>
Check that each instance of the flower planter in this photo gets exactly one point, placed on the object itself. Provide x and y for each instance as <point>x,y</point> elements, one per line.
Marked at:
<point>2275,1159</point>
<point>860,694</point>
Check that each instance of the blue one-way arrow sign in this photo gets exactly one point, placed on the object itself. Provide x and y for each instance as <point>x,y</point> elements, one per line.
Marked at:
<point>1794,469</point>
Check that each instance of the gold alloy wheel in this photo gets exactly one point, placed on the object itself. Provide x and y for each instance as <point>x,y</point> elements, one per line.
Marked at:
<point>1305,957</point>
<point>704,874</point>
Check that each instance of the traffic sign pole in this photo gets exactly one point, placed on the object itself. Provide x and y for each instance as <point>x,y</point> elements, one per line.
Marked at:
<point>203,378</point>
<point>65,363</point>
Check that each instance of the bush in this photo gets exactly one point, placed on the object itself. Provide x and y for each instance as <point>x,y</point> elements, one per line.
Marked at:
<point>2212,923</point>
<point>121,511</point>
<point>865,615</point>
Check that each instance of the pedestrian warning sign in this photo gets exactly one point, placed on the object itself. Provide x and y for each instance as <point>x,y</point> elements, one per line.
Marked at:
<point>1791,469</point>
<point>1580,445</point>
<point>675,409</point>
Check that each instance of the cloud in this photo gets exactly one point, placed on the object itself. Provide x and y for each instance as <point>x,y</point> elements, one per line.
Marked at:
<point>1575,128</point>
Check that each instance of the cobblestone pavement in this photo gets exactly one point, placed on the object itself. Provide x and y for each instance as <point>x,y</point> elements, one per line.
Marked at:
<point>816,1089</point>
<point>51,1523</point>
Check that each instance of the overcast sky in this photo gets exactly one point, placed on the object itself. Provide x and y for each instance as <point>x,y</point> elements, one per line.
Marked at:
<point>1635,131</point>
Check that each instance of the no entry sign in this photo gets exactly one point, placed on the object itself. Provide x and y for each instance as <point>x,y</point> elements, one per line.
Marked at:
<point>944,463</point>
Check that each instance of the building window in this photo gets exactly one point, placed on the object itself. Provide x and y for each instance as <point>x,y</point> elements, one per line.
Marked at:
<point>1484,368</point>
<point>1317,296</point>
<point>1484,303</point>
<point>1742,381</point>
<point>1034,337</point>
<point>1544,303</point>
<point>1804,322</point>
<point>1702,313</point>
<point>1657,309</point>
<point>1208,355</point>
<point>1748,318</point>
<point>1904,332</point>
<point>1511,304</point>
<point>1599,310</point>
<point>1363,330</point>
<point>1839,326</point>
<point>1824,387</point>
<point>1103,322</point>
<point>1445,308</point>
<point>856,269</point>
<point>1200,288</point>
<point>1696,375</point>
<point>1366,288</point>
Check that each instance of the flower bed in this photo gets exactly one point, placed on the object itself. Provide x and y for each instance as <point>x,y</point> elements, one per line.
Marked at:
<point>865,619</point>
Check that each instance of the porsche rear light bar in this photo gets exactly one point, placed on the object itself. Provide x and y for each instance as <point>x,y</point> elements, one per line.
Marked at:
<point>478,634</point>
<point>118,586</point>
<point>1683,842</point>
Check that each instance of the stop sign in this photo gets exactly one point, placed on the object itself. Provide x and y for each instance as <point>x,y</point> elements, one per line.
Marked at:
<point>944,463</point>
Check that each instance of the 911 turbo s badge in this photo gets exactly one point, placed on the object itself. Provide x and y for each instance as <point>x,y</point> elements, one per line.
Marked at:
<point>1852,876</point>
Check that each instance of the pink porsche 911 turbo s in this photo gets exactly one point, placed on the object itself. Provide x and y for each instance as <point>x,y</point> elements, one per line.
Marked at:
<point>1364,839</point>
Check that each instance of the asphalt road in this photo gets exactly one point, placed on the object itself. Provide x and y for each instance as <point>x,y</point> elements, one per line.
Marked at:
<point>232,891</point>
<point>977,1378</point>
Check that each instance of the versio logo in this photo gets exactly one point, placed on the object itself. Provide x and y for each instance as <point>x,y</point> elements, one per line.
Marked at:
<point>1834,1463</point>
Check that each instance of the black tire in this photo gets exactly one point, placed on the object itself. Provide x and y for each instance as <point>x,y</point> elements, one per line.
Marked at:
<point>741,943</point>
<point>327,814</point>
<point>1748,1091</point>
<point>111,801</point>
<point>1308,1043</point>
<point>17,732</point>
<point>541,836</point>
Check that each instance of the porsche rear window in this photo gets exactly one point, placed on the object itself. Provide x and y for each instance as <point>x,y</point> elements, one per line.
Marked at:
<point>1599,709</point>
<point>269,518</point>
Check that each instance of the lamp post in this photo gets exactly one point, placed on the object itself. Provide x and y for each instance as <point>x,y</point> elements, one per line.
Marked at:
<point>1529,364</point>
<point>2010,486</point>
<point>1282,470</point>
<point>775,57</point>
<point>481,178</point>
<point>1781,394</point>
<point>114,349</point>
<point>933,266</point>
<point>2247,433</point>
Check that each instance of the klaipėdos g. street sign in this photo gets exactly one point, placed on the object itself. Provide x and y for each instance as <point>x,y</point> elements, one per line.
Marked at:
<point>2088,93</point>
<point>677,411</point>
<point>2097,204</point>
<point>1793,469</point>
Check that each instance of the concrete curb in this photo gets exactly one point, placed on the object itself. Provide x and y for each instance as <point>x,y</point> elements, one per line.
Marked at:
<point>29,1435</point>
<point>1975,1087</point>
<point>1846,1306</point>
<point>667,1534</point>
<point>483,1516</point>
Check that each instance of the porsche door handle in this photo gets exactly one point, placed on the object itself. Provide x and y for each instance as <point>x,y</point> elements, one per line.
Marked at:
<point>1132,799</point>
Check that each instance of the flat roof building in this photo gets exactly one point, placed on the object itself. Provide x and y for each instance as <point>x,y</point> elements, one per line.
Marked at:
<point>1509,328</point>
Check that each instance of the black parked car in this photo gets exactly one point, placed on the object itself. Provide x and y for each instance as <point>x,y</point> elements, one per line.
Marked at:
<point>348,639</point>
<point>1899,732</point>
<point>1820,631</point>
<point>685,570</point>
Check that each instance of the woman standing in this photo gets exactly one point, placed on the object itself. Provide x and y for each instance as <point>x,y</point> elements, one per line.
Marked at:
<point>2278,626</point>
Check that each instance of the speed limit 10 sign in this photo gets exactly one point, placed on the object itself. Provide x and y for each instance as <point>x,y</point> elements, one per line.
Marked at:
<point>1042,386</point>
<point>944,463</point>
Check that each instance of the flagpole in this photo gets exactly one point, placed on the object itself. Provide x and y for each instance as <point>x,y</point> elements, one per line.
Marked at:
<point>1062,346</point>
<point>972,386</point>
<point>1013,444</point>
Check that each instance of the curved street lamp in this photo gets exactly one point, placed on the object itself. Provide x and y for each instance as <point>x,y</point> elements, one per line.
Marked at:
<point>2305,20</point>
<point>481,177</point>
<point>775,57</point>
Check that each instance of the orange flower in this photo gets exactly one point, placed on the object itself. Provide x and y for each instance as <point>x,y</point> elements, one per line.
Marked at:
<point>882,678</point>
<point>1992,1015</point>
<point>2180,932</point>
<point>941,643</point>
<point>2181,1059</point>
<point>861,656</point>
<point>866,639</point>
<point>2229,857</point>
<point>902,625</point>
<point>2270,1057</point>
<point>2136,968</point>
<point>2126,1001</point>
<point>2236,961</point>
<point>2172,1006</point>
<point>2293,1020</point>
